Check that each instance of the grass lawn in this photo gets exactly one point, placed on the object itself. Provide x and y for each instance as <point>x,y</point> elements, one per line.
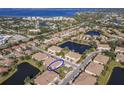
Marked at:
<point>104,77</point>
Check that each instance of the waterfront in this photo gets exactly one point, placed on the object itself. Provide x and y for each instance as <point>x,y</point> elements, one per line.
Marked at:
<point>117,77</point>
<point>24,70</point>
<point>80,48</point>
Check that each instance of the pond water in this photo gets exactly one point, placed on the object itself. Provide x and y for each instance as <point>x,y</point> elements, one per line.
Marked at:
<point>24,70</point>
<point>117,77</point>
<point>93,33</point>
<point>80,48</point>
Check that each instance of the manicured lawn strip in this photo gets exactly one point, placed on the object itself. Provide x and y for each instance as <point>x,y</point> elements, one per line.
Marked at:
<point>104,77</point>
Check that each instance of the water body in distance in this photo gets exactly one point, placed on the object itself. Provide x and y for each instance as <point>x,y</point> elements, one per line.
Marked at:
<point>44,12</point>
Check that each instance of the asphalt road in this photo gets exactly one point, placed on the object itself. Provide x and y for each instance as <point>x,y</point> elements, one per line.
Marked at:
<point>79,69</point>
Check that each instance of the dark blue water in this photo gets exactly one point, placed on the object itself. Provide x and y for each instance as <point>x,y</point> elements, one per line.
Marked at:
<point>80,48</point>
<point>47,12</point>
<point>43,24</point>
<point>24,70</point>
<point>117,77</point>
<point>93,33</point>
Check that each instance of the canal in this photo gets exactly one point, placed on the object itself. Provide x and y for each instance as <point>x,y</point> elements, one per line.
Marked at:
<point>24,70</point>
<point>117,77</point>
<point>80,48</point>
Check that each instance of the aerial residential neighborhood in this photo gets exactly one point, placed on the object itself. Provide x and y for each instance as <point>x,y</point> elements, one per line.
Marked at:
<point>86,48</point>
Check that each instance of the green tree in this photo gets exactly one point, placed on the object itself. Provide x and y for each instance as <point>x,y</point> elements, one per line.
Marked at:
<point>66,49</point>
<point>112,45</point>
<point>27,57</point>
<point>22,58</point>
<point>61,54</point>
<point>39,63</point>
<point>27,80</point>
<point>110,54</point>
<point>61,70</point>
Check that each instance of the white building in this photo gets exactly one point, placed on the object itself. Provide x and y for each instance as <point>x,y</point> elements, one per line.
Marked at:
<point>3,39</point>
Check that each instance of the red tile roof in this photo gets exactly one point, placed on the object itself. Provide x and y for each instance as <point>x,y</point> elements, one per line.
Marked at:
<point>39,56</point>
<point>101,59</point>
<point>94,68</point>
<point>7,62</point>
<point>85,79</point>
<point>4,69</point>
<point>45,78</point>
